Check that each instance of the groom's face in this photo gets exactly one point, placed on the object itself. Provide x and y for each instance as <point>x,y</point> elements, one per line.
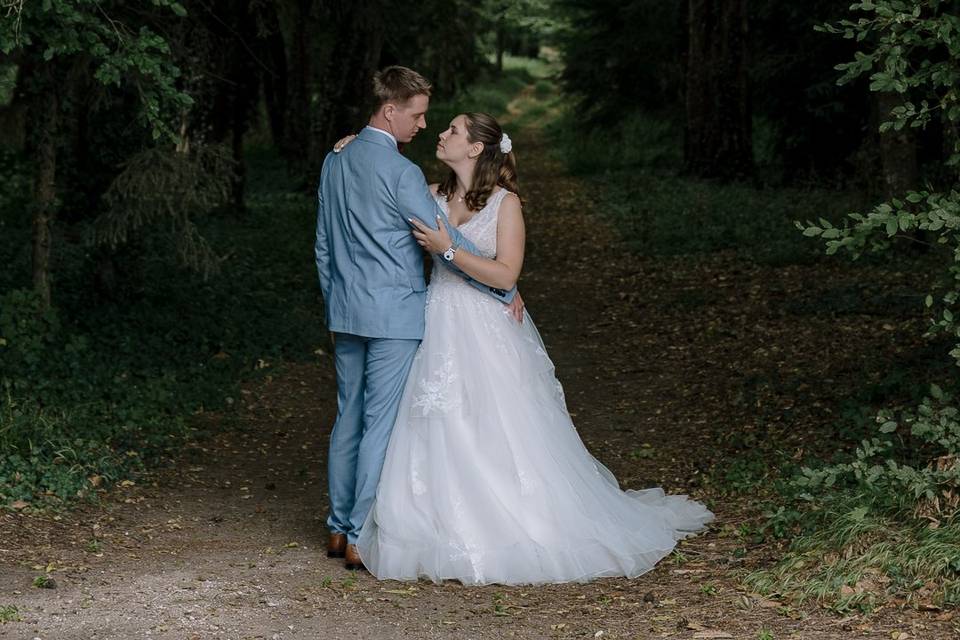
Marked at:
<point>409,118</point>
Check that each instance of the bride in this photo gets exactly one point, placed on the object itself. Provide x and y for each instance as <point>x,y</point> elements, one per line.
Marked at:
<point>486,479</point>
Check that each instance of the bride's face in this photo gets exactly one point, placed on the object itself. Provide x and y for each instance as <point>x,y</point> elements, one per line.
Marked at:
<point>453,146</point>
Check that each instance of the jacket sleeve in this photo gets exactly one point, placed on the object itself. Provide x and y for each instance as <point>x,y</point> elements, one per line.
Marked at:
<point>415,200</point>
<point>321,246</point>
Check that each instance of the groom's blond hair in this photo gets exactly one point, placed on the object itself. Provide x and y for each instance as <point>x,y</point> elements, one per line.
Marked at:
<point>398,84</point>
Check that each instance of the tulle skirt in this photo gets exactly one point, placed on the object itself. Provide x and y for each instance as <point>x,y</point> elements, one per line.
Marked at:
<point>486,479</point>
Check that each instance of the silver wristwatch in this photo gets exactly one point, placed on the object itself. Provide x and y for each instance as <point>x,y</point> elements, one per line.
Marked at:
<point>449,253</point>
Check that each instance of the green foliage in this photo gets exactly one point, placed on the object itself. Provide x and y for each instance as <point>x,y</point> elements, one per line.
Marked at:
<point>607,69</point>
<point>173,187</point>
<point>76,29</point>
<point>9,613</point>
<point>888,474</point>
<point>915,50</point>
<point>8,81</point>
<point>854,558</point>
<point>43,582</point>
<point>101,389</point>
<point>885,521</point>
<point>26,332</point>
<point>641,141</point>
<point>635,168</point>
<point>518,26</point>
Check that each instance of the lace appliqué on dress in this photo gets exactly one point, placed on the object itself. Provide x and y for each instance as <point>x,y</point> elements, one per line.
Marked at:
<point>467,549</point>
<point>438,392</point>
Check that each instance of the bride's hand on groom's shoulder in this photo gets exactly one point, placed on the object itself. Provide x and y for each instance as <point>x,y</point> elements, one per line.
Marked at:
<point>343,142</point>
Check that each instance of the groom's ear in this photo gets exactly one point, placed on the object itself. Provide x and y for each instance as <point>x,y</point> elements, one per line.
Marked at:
<point>389,110</point>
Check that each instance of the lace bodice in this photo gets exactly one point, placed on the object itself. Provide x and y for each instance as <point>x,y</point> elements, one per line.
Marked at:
<point>480,229</point>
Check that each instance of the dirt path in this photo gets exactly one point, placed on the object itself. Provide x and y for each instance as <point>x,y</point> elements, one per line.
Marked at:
<point>668,365</point>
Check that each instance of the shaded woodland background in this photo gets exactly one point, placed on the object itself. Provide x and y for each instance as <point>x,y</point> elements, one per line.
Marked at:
<point>159,161</point>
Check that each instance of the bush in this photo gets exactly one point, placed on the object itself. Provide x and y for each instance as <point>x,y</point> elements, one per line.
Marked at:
<point>885,521</point>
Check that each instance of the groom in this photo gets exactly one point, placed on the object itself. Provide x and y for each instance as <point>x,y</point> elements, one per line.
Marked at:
<point>372,280</point>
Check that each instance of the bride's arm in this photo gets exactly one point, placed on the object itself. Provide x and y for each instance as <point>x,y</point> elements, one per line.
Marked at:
<point>501,272</point>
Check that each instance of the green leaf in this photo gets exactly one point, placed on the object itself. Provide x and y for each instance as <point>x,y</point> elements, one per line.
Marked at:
<point>858,514</point>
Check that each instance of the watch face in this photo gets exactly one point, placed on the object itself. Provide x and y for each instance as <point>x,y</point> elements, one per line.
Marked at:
<point>448,255</point>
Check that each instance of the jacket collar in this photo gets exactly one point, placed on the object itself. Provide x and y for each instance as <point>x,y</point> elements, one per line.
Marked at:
<point>369,134</point>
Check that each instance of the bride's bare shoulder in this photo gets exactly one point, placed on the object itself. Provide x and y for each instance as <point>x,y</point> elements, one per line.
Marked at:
<point>433,188</point>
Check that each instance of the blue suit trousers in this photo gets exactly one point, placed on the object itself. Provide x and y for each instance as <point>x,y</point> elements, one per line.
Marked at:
<point>371,374</point>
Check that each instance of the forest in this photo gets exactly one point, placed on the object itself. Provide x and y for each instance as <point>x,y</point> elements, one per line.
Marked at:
<point>743,255</point>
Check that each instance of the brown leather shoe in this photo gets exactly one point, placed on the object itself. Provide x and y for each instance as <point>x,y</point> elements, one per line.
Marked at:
<point>337,545</point>
<point>352,559</point>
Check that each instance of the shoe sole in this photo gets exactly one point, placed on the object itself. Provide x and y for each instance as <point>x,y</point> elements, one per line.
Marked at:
<point>335,554</point>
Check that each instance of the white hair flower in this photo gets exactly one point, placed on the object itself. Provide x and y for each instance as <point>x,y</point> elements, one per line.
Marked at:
<point>506,145</point>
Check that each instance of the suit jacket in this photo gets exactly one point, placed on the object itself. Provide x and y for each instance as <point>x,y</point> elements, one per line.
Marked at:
<point>369,263</point>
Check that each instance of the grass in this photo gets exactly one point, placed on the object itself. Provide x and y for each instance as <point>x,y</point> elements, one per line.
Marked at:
<point>44,582</point>
<point>9,613</point>
<point>855,561</point>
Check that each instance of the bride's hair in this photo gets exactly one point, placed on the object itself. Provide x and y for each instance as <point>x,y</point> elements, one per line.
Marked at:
<point>493,166</point>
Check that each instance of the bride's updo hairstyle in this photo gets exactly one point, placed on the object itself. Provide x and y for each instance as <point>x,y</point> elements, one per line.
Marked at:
<point>493,166</point>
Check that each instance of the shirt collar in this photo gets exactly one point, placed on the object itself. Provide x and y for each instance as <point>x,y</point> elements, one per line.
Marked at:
<point>378,130</point>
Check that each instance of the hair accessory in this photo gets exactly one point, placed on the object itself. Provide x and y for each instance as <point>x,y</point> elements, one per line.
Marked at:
<point>506,145</point>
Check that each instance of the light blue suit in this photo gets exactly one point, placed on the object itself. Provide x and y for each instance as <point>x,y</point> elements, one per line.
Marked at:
<point>372,278</point>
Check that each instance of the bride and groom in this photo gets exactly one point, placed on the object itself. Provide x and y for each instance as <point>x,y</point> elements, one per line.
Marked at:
<point>453,455</point>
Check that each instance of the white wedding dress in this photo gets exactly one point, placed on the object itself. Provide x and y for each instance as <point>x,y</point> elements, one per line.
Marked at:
<point>485,478</point>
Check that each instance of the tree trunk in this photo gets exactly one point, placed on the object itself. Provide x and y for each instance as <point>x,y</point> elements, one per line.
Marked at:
<point>501,44</point>
<point>898,151</point>
<point>45,192</point>
<point>275,84</point>
<point>718,141</point>
<point>342,81</point>
<point>240,166</point>
<point>295,145</point>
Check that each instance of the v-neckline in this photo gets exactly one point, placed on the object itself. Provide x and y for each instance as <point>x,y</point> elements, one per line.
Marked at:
<point>476,214</point>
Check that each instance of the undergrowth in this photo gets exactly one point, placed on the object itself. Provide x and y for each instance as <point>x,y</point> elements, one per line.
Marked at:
<point>635,172</point>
